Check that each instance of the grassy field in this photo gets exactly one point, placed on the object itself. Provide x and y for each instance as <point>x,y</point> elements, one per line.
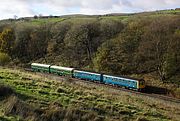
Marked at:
<point>38,97</point>
<point>46,20</point>
<point>84,18</point>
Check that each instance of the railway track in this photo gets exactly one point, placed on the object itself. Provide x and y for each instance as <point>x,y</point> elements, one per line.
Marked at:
<point>153,95</point>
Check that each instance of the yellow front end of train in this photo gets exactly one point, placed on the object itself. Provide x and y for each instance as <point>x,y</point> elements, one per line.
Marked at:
<point>141,85</point>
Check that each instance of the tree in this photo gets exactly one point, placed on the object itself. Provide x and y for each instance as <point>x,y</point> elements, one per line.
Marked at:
<point>35,17</point>
<point>56,41</point>
<point>4,58</point>
<point>156,50</point>
<point>103,62</point>
<point>37,45</point>
<point>15,17</point>
<point>110,28</point>
<point>172,62</point>
<point>78,43</point>
<point>7,40</point>
<point>20,49</point>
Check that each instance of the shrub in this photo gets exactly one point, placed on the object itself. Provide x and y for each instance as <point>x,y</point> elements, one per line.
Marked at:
<point>141,119</point>
<point>4,58</point>
<point>15,106</point>
<point>55,113</point>
<point>177,93</point>
<point>61,90</point>
<point>5,90</point>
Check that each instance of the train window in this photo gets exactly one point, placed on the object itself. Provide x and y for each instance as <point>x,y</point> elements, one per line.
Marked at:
<point>141,82</point>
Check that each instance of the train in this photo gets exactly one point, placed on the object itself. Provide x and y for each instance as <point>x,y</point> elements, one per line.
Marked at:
<point>121,81</point>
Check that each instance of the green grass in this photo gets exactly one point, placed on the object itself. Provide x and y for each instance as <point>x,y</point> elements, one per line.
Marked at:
<point>122,18</point>
<point>81,18</point>
<point>46,20</point>
<point>40,91</point>
<point>169,11</point>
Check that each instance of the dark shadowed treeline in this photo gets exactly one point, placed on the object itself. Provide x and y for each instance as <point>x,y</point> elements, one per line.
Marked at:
<point>141,45</point>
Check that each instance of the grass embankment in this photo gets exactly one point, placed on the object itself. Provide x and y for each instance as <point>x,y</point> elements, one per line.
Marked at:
<point>35,97</point>
<point>165,88</point>
<point>156,86</point>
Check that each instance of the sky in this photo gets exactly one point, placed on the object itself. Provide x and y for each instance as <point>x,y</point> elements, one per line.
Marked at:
<point>26,8</point>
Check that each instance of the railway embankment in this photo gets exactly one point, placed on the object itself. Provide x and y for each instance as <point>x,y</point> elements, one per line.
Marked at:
<point>35,96</point>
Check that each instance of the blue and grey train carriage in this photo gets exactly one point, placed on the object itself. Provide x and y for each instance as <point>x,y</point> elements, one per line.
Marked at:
<point>87,75</point>
<point>137,84</point>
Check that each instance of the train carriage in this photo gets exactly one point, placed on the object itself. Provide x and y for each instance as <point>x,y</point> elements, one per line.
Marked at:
<point>124,82</point>
<point>87,75</point>
<point>63,71</point>
<point>40,67</point>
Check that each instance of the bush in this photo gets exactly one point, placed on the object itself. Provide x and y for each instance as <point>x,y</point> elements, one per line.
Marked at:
<point>61,90</point>
<point>4,58</point>
<point>176,93</point>
<point>15,106</point>
<point>5,90</point>
<point>55,113</point>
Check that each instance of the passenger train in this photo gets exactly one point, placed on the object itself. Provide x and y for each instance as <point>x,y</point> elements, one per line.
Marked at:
<point>130,83</point>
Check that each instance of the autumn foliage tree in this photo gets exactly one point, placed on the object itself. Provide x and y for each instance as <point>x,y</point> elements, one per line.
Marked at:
<point>7,38</point>
<point>144,46</point>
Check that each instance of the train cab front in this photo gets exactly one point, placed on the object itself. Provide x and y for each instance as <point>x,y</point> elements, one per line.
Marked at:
<point>141,85</point>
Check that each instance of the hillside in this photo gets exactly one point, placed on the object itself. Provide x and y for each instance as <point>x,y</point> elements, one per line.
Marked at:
<point>142,45</point>
<point>81,39</point>
<point>32,96</point>
<point>123,44</point>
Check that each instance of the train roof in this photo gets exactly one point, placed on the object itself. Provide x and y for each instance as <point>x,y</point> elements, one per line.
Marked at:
<point>62,68</point>
<point>87,72</point>
<point>110,75</point>
<point>41,65</point>
<point>128,79</point>
<point>123,77</point>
